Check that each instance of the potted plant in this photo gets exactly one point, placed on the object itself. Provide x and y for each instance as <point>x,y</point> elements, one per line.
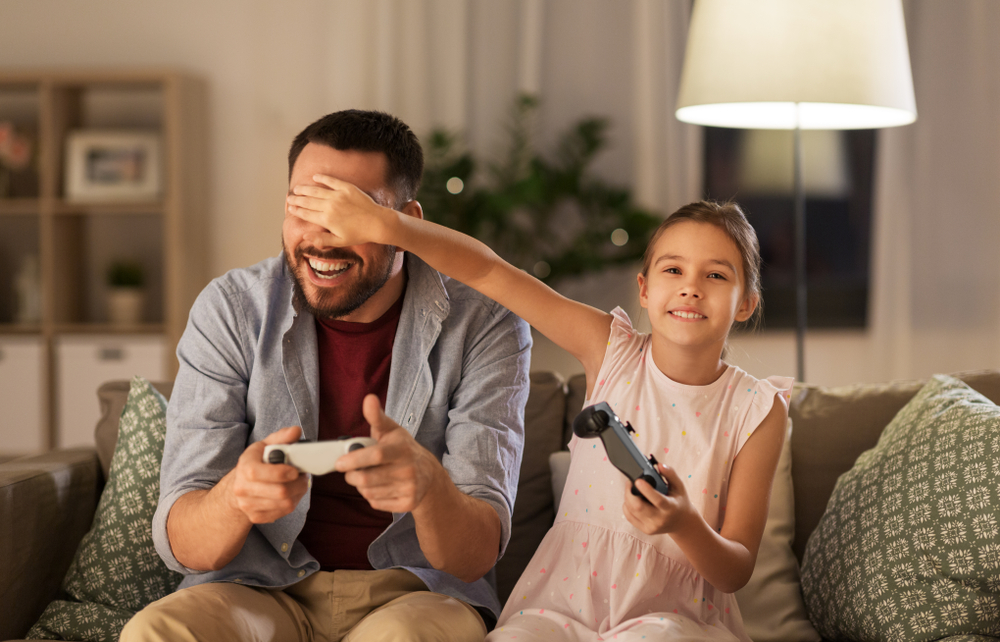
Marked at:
<point>126,295</point>
<point>552,217</point>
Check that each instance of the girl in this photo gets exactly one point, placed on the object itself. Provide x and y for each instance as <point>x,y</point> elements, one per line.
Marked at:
<point>615,565</point>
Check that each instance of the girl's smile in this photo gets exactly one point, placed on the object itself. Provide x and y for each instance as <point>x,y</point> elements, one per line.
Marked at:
<point>687,314</point>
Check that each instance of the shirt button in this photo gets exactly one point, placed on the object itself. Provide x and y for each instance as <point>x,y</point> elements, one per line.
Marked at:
<point>284,548</point>
<point>302,572</point>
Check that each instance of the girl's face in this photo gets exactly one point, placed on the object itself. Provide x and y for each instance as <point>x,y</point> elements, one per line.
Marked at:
<point>694,287</point>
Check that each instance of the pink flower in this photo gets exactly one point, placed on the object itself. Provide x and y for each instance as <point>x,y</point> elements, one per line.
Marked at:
<point>15,150</point>
<point>20,153</point>
<point>6,133</point>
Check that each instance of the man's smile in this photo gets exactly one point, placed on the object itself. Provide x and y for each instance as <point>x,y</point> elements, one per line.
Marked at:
<point>328,269</point>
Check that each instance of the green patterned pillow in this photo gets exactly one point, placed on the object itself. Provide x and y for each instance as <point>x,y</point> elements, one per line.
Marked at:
<point>909,546</point>
<point>116,571</point>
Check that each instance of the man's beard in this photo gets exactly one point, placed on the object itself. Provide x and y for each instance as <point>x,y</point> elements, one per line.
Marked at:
<point>348,297</point>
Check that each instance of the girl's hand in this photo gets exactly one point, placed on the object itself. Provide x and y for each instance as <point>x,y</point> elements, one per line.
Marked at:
<point>662,513</point>
<point>349,215</point>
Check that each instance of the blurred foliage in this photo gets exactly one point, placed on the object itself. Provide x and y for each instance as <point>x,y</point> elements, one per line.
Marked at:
<point>552,218</point>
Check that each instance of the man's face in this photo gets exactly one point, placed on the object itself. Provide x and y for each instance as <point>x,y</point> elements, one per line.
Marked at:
<point>332,282</point>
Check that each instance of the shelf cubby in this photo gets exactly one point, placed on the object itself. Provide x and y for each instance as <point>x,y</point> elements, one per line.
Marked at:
<point>73,243</point>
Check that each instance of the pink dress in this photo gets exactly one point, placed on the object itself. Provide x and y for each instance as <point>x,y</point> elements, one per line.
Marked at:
<point>595,576</point>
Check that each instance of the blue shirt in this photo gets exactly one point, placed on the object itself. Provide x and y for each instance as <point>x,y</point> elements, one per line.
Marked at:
<point>249,367</point>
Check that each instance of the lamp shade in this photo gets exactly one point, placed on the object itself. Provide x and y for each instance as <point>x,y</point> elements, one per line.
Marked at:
<point>821,64</point>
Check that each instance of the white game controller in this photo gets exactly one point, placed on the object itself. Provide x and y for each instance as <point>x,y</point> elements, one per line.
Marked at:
<point>316,457</point>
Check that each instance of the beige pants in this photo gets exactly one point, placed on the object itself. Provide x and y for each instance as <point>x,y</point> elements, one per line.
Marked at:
<point>352,606</point>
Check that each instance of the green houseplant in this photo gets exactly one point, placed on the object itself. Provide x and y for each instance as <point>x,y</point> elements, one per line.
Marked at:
<point>126,292</point>
<point>551,217</point>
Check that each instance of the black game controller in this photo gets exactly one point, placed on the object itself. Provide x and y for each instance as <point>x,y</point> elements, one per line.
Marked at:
<point>600,421</point>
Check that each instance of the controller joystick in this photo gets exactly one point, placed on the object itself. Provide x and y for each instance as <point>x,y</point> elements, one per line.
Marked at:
<point>588,425</point>
<point>600,421</point>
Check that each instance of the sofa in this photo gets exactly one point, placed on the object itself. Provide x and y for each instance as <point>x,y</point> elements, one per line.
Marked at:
<point>47,502</point>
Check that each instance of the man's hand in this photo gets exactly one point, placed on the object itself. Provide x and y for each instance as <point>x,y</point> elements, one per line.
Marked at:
<point>349,215</point>
<point>395,474</point>
<point>267,492</point>
<point>458,534</point>
<point>207,528</point>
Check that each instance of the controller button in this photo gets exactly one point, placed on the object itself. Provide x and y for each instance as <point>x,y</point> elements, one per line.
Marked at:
<point>354,447</point>
<point>276,457</point>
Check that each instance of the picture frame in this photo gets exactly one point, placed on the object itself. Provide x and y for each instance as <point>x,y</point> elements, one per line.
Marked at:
<point>112,165</point>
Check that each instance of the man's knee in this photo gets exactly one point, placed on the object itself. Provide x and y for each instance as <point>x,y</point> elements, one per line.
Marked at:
<point>219,611</point>
<point>147,625</point>
<point>421,617</point>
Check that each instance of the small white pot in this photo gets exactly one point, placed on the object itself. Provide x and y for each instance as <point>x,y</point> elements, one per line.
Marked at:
<point>125,305</point>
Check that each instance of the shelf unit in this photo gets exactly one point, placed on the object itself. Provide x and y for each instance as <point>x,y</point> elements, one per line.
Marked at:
<point>75,242</point>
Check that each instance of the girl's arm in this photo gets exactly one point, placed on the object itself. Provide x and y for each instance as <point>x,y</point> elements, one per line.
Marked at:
<point>725,559</point>
<point>349,216</point>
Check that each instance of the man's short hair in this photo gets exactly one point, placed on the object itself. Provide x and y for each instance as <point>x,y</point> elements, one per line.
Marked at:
<point>369,131</point>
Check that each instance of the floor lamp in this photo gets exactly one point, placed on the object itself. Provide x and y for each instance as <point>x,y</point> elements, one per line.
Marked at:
<point>797,64</point>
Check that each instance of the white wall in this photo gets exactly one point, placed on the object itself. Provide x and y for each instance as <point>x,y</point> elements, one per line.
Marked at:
<point>273,66</point>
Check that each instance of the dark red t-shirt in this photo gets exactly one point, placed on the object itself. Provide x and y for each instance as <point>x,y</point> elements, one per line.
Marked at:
<point>354,360</point>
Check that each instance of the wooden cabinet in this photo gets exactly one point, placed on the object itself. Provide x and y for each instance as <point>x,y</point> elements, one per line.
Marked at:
<point>103,357</point>
<point>56,248</point>
<point>22,384</point>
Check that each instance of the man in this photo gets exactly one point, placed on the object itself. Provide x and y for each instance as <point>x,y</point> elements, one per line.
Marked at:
<point>312,345</point>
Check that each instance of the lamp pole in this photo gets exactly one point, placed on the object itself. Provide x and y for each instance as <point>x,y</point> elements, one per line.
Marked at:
<point>799,227</point>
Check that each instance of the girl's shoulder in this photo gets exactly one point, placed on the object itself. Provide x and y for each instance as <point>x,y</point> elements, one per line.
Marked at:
<point>755,398</point>
<point>773,384</point>
<point>625,343</point>
<point>622,330</point>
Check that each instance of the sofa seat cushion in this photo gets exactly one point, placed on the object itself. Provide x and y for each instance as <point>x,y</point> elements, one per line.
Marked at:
<point>909,545</point>
<point>116,570</point>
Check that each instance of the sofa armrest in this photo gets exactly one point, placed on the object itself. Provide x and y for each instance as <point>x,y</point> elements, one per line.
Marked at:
<point>47,504</point>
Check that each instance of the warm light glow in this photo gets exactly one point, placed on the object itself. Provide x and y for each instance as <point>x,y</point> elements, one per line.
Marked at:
<point>619,237</point>
<point>455,185</point>
<point>766,115</point>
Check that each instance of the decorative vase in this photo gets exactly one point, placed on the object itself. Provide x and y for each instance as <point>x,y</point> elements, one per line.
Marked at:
<point>125,305</point>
